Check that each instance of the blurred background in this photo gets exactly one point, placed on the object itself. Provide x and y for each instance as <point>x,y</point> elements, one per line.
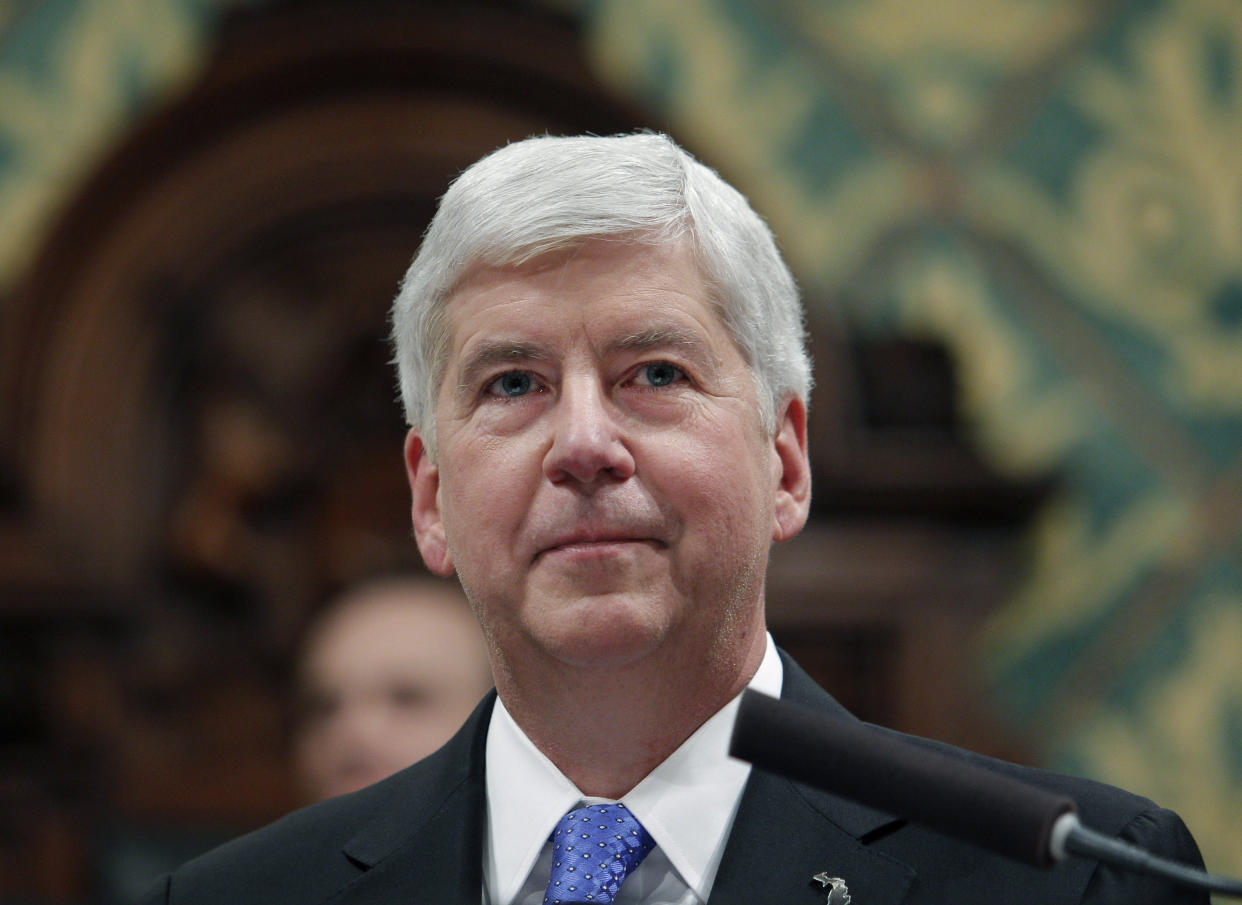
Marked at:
<point>1018,227</point>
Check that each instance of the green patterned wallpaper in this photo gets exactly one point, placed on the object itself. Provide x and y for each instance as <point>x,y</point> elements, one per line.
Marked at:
<point>1052,187</point>
<point>72,74</point>
<point>1055,190</point>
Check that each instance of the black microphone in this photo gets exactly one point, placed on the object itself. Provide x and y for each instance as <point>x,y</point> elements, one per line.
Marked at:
<point>943,792</point>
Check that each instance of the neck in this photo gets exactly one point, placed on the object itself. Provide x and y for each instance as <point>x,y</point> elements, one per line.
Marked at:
<point>652,705</point>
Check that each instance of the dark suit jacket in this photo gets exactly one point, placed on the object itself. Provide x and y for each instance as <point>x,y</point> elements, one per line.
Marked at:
<point>418,837</point>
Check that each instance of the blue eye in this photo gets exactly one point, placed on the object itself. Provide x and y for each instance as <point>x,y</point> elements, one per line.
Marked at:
<point>513,383</point>
<point>660,374</point>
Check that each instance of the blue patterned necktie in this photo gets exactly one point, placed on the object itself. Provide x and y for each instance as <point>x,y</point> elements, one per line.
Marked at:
<point>594,849</point>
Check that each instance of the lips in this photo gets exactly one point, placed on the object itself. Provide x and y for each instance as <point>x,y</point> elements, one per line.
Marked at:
<point>586,538</point>
<point>591,539</point>
<point>585,525</point>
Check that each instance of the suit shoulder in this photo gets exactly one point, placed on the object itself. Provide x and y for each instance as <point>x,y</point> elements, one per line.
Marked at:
<point>283,861</point>
<point>1104,807</point>
<point>313,852</point>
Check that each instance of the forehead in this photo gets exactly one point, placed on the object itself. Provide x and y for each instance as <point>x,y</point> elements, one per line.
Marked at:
<point>398,622</point>
<point>603,283</point>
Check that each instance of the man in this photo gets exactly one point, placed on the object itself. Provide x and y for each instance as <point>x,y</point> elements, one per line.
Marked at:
<point>601,357</point>
<point>387,672</point>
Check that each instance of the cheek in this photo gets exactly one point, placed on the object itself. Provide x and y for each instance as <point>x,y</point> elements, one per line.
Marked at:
<point>718,488</point>
<point>483,482</point>
<point>731,464</point>
<point>319,749</point>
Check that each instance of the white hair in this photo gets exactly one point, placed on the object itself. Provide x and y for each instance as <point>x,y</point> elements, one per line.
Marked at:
<point>549,193</point>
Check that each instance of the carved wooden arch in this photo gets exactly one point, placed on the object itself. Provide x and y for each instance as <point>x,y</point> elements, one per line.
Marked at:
<point>197,400</point>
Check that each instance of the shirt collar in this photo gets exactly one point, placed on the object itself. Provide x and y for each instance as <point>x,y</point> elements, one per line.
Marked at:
<point>687,803</point>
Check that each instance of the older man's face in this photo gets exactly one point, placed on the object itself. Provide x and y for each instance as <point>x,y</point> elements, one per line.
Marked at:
<point>602,483</point>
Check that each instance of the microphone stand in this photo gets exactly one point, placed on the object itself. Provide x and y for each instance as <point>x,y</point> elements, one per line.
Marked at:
<point>977,805</point>
<point>1070,837</point>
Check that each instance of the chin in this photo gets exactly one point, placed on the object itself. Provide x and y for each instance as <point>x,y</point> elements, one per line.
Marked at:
<point>603,632</point>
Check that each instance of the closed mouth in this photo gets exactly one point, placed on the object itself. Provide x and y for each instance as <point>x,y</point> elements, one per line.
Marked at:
<point>586,543</point>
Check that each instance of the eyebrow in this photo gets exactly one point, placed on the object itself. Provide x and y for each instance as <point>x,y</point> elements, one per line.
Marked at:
<point>669,336</point>
<point>488,354</point>
<point>658,337</point>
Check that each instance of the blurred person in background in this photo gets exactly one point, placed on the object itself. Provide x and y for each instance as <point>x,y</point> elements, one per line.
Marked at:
<point>387,672</point>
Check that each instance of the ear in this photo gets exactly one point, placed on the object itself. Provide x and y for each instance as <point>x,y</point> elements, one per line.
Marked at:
<point>424,478</point>
<point>792,471</point>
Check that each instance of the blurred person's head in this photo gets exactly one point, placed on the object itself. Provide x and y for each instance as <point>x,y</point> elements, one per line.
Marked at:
<point>386,674</point>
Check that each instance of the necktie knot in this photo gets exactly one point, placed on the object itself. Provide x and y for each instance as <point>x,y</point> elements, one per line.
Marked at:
<point>594,848</point>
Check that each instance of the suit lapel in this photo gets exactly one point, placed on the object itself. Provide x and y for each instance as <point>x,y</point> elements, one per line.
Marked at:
<point>786,833</point>
<point>781,840</point>
<point>424,845</point>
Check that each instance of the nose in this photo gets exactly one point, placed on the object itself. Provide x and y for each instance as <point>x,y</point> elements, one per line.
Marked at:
<point>588,443</point>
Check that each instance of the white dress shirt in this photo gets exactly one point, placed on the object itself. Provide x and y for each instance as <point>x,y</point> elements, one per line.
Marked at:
<point>687,804</point>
